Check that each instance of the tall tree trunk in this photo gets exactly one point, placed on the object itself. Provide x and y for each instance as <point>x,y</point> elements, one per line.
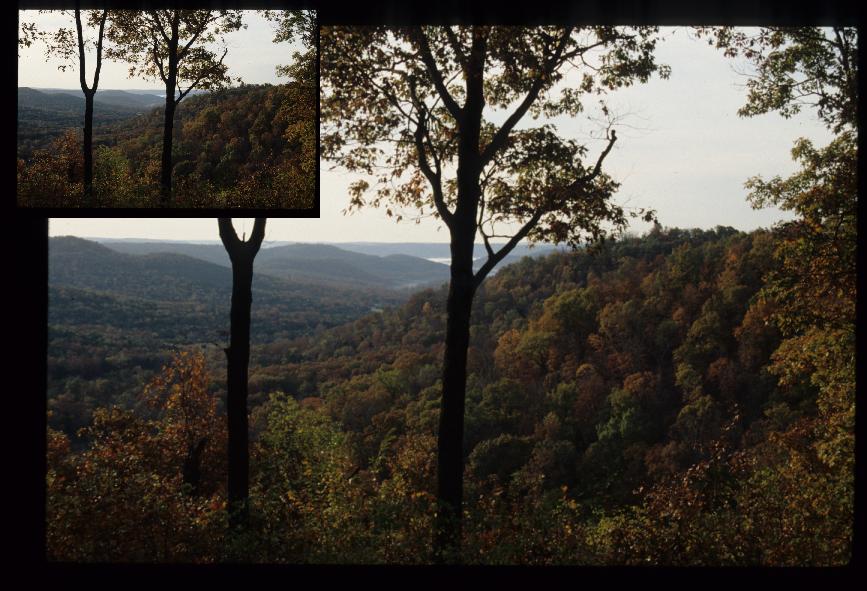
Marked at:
<point>88,148</point>
<point>450,440</point>
<point>168,126</point>
<point>450,443</point>
<point>89,94</point>
<point>171,104</point>
<point>450,452</point>
<point>236,404</point>
<point>238,359</point>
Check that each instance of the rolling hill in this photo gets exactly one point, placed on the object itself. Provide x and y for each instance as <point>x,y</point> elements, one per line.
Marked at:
<point>188,297</point>
<point>114,318</point>
<point>43,116</point>
<point>320,263</point>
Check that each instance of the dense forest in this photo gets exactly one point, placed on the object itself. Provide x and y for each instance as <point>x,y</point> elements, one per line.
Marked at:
<point>115,318</point>
<point>635,404</point>
<point>230,149</point>
<point>686,397</point>
<point>45,116</point>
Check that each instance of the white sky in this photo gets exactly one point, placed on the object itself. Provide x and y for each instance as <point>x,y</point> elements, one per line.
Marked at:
<point>681,149</point>
<point>252,55</point>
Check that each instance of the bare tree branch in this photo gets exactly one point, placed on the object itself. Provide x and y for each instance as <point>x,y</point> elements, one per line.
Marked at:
<point>495,258</point>
<point>99,49</point>
<point>432,177</point>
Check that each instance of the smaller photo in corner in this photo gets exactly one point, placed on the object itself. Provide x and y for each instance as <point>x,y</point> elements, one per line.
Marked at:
<point>177,109</point>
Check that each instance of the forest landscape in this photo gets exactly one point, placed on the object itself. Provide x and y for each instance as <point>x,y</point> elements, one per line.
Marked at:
<point>95,128</point>
<point>666,378</point>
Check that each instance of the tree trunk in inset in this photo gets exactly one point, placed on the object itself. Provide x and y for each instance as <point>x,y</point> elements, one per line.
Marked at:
<point>166,165</point>
<point>171,104</point>
<point>88,148</point>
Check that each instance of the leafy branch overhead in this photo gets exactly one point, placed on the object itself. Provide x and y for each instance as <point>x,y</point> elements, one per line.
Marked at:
<point>394,105</point>
<point>417,108</point>
<point>151,40</point>
<point>797,67</point>
<point>173,45</point>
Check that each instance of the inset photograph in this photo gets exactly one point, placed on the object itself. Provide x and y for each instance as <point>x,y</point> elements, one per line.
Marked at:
<point>167,109</point>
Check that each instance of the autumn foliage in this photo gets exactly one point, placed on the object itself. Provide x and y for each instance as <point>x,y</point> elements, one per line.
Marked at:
<point>644,408</point>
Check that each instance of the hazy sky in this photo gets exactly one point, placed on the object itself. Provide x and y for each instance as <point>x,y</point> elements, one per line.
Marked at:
<point>252,55</point>
<point>681,149</point>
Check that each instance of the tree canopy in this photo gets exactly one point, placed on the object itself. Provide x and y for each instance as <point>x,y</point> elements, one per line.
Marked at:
<point>797,67</point>
<point>391,107</point>
<point>150,40</point>
<point>410,103</point>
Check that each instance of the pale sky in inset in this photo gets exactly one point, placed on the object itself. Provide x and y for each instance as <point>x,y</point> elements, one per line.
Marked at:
<point>252,55</point>
<point>682,150</point>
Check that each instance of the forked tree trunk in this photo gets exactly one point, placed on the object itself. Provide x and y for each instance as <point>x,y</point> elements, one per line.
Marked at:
<point>238,359</point>
<point>89,94</point>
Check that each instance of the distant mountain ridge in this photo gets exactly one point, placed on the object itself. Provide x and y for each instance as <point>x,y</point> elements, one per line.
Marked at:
<point>43,116</point>
<point>191,295</point>
<point>149,97</point>
<point>70,100</point>
<point>45,113</point>
<point>312,262</point>
<point>408,263</point>
<point>437,250</point>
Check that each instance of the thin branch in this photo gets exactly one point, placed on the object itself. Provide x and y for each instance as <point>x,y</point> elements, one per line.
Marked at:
<point>456,47</point>
<point>487,244</point>
<point>155,16</point>
<point>99,50</point>
<point>81,58</point>
<point>502,134</point>
<point>598,167</point>
<point>436,76</point>
<point>195,36</point>
<point>498,256</point>
<point>433,177</point>
<point>181,95</point>
<point>494,258</point>
<point>159,61</point>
